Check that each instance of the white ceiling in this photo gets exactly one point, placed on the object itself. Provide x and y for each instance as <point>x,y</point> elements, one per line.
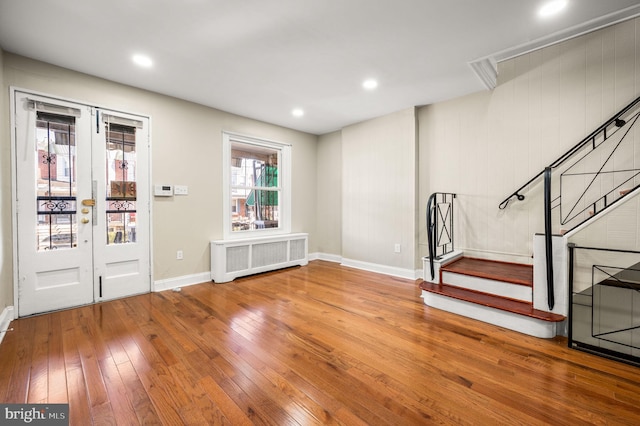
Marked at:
<point>262,58</point>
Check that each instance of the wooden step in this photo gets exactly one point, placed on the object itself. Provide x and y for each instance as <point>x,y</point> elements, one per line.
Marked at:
<point>493,270</point>
<point>491,301</point>
<point>498,293</point>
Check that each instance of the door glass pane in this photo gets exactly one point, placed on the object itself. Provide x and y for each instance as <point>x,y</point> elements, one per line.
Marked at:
<point>55,182</point>
<point>121,184</point>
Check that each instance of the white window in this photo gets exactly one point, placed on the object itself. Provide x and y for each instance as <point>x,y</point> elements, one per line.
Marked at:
<point>257,195</point>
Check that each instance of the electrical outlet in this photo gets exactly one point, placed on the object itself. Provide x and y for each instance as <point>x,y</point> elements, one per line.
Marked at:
<point>179,255</point>
<point>396,248</point>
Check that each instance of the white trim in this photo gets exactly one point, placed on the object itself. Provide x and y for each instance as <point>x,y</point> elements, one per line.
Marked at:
<point>5,321</point>
<point>183,281</point>
<point>486,70</point>
<point>14,192</point>
<point>336,258</point>
<point>608,210</point>
<point>482,66</point>
<point>381,269</point>
<point>284,182</point>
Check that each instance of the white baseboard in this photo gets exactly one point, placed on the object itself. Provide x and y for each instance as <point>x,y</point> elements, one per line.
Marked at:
<point>187,280</point>
<point>183,281</point>
<point>5,320</point>
<point>381,269</point>
<point>326,256</point>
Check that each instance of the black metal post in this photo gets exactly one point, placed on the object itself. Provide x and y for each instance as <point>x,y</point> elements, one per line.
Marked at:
<point>548,237</point>
<point>430,234</point>
<point>572,247</point>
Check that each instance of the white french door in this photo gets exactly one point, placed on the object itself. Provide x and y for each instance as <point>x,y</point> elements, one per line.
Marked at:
<point>81,204</point>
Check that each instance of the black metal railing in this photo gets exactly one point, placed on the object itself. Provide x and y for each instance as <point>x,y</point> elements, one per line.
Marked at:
<point>589,184</point>
<point>439,226</point>
<point>604,313</point>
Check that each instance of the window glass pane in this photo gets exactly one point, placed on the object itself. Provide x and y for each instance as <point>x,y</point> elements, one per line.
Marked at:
<point>56,182</point>
<point>255,189</point>
<point>121,184</point>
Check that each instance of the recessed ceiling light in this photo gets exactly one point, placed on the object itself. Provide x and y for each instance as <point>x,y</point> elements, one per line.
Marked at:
<point>552,7</point>
<point>370,84</point>
<point>143,61</point>
<point>297,112</point>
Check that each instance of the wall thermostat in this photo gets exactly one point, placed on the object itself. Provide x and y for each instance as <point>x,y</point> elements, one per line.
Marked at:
<point>163,190</point>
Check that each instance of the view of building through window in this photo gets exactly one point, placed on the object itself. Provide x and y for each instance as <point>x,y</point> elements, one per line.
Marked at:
<point>56,182</point>
<point>121,189</point>
<point>255,190</point>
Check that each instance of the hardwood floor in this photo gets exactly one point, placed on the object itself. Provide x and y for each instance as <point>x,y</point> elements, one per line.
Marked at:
<point>311,345</point>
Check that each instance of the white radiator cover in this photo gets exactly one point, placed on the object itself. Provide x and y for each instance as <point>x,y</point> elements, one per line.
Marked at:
<point>236,258</point>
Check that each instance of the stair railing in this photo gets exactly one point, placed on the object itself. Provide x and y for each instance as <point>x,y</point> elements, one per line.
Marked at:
<point>598,149</point>
<point>439,226</point>
<point>603,285</point>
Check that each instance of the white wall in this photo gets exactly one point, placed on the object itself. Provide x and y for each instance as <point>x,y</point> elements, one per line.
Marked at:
<point>186,150</point>
<point>378,190</point>
<point>486,145</point>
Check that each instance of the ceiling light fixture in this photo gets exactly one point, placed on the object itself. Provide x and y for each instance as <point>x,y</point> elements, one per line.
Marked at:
<point>551,8</point>
<point>143,61</point>
<point>370,84</point>
<point>297,112</point>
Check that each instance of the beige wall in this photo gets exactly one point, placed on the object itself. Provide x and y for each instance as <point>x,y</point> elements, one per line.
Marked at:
<point>329,211</point>
<point>378,190</point>
<point>186,150</point>
<point>486,145</point>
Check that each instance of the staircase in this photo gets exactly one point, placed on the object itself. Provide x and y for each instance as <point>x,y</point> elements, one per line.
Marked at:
<point>498,293</point>
<point>588,181</point>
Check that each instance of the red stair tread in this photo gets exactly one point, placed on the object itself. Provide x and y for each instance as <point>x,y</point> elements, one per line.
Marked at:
<point>513,273</point>
<point>497,302</point>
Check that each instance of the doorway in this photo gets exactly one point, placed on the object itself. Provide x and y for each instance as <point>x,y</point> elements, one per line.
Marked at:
<point>82,208</point>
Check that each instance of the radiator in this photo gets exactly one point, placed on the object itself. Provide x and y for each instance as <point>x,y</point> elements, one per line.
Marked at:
<point>235,258</point>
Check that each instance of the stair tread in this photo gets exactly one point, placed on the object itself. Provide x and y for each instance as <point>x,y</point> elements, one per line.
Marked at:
<point>513,273</point>
<point>496,302</point>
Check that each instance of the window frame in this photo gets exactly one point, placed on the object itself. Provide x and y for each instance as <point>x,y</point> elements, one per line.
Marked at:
<point>284,183</point>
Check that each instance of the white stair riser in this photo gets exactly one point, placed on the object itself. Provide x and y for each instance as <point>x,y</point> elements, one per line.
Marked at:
<point>520,323</point>
<point>497,288</point>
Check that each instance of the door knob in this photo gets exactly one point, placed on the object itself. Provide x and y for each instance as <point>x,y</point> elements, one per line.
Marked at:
<point>85,220</point>
<point>89,202</point>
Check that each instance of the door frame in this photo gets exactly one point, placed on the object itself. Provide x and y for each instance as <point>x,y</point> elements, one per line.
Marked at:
<point>14,183</point>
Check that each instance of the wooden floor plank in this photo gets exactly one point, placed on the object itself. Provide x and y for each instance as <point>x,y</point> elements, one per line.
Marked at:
<point>321,344</point>
<point>39,374</point>
<point>18,387</point>
<point>57,390</point>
